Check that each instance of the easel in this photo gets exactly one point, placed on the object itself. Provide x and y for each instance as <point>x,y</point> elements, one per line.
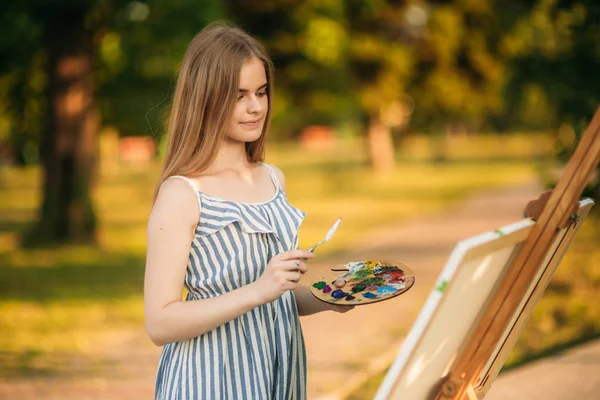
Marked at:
<point>462,363</point>
<point>552,212</point>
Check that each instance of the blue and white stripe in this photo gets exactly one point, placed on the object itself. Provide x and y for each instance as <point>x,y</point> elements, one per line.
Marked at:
<point>259,355</point>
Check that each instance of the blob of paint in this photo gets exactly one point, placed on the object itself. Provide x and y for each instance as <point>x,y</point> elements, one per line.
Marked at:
<point>359,287</point>
<point>327,289</point>
<point>386,289</point>
<point>338,294</point>
<point>339,283</point>
<point>370,295</point>
<point>319,285</point>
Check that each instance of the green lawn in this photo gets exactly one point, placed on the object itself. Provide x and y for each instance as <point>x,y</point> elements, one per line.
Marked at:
<point>75,299</point>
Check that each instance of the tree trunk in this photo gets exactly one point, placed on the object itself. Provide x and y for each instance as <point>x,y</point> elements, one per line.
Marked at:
<point>68,148</point>
<point>381,145</point>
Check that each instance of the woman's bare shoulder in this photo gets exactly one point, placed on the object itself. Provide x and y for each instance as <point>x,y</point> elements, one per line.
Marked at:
<point>177,200</point>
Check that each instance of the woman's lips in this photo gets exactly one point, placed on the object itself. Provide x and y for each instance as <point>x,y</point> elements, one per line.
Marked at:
<point>251,124</point>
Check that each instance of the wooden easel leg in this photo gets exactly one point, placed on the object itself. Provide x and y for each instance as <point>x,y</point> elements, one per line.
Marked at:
<point>470,393</point>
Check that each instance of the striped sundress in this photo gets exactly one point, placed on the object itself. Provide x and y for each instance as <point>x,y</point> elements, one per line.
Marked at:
<point>259,355</point>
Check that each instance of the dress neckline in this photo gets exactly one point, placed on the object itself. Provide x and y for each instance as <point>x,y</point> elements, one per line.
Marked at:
<point>274,180</point>
<point>273,198</point>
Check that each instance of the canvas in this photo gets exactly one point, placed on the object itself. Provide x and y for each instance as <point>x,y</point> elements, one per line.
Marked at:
<point>474,271</point>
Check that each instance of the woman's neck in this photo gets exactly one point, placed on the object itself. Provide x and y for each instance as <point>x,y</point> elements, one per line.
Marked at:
<point>231,155</point>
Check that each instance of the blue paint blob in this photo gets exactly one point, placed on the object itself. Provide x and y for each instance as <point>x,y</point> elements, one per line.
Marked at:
<point>370,295</point>
<point>338,294</point>
<point>386,289</point>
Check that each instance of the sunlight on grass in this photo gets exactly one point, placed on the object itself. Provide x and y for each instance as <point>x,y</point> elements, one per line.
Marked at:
<point>54,322</point>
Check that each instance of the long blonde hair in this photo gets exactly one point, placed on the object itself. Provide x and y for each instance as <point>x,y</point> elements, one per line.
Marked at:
<point>205,97</point>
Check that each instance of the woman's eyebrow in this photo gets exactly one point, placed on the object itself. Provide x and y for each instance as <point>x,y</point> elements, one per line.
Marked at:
<point>246,90</point>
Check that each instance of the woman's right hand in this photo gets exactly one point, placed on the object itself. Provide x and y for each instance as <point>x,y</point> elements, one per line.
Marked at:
<point>282,274</point>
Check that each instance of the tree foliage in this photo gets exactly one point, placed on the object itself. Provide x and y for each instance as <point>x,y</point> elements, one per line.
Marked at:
<point>463,64</point>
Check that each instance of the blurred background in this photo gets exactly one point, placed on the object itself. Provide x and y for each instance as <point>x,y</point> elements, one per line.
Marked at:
<point>384,112</point>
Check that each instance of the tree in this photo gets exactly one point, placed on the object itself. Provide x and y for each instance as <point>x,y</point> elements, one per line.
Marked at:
<point>552,48</point>
<point>381,63</point>
<point>63,38</point>
<point>460,74</point>
<point>554,51</point>
<point>66,35</point>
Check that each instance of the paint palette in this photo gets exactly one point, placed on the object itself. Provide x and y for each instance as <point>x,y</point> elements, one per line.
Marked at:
<point>363,282</point>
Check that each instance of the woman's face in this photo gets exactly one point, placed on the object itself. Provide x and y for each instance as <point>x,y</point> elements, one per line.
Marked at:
<point>252,103</point>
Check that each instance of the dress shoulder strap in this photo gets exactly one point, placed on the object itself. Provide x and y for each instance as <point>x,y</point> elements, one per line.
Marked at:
<point>273,175</point>
<point>192,185</point>
<point>188,180</point>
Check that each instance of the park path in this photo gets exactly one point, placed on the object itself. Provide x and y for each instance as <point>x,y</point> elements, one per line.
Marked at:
<point>343,349</point>
<point>572,374</point>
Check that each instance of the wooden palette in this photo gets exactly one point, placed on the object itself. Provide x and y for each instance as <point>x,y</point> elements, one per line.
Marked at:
<point>363,282</point>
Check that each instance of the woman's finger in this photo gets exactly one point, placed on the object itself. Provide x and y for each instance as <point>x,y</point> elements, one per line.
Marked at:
<point>293,276</point>
<point>302,267</point>
<point>296,255</point>
<point>293,265</point>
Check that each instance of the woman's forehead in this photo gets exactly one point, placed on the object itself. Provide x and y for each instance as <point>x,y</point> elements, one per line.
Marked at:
<point>252,75</point>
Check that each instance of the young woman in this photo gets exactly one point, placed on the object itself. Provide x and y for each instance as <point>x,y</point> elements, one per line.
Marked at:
<point>221,227</point>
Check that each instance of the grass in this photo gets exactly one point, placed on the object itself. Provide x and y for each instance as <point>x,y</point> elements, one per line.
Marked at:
<point>76,299</point>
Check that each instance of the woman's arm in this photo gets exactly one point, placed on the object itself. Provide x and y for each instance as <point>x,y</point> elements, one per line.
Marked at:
<point>170,231</point>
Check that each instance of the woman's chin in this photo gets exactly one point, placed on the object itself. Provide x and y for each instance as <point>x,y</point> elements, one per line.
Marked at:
<point>246,137</point>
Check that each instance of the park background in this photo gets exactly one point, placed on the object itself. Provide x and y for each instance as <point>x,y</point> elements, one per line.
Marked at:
<point>384,111</point>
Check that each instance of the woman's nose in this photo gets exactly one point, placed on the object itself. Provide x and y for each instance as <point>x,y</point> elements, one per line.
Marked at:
<point>254,105</point>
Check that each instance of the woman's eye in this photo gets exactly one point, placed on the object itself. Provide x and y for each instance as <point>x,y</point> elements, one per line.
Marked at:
<point>261,94</point>
<point>241,96</point>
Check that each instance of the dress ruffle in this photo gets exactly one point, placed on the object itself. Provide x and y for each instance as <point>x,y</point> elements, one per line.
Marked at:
<point>216,214</point>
